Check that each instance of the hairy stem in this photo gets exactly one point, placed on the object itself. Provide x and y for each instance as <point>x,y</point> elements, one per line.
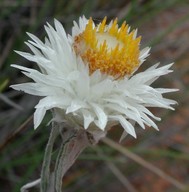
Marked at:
<point>68,153</point>
<point>45,172</point>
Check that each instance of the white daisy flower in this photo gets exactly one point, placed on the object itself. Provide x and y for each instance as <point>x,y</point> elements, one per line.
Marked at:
<point>89,78</point>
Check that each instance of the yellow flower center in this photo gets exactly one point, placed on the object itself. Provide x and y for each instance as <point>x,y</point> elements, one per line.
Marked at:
<point>110,49</point>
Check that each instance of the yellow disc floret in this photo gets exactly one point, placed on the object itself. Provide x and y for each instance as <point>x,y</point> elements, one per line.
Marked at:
<point>112,50</point>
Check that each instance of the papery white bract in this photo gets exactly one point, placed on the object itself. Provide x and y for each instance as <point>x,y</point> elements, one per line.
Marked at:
<point>90,98</point>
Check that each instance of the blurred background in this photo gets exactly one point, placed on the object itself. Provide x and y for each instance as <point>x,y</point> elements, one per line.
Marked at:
<point>163,25</point>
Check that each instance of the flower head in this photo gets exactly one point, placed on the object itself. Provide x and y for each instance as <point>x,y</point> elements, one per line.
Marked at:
<point>88,77</point>
<point>112,50</point>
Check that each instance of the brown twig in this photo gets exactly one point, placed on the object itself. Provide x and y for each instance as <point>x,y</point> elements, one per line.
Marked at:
<point>144,163</point>
<point>120,176</point>
<point>10,102</point>
<point>15,133</point>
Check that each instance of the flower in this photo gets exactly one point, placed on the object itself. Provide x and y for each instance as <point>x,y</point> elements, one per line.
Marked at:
<point>89,78</point>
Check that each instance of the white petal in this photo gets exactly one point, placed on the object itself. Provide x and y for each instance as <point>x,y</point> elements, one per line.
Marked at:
<point>38,116</point>
<point>102,117</point>
<point>36,39</point>
<point>88,119</point>
<point>129,113</point>
<point>60,29</point>
<point>101,88</point>
<point>30,88</point>
<point>83,84</point>
<point>166,90</point>
<point>34,58</point>
<point>144,53</point>
<point>53,101</point>
<point>142,109</point>
<point>23,68</point>
<point>75,105</point>
<point>125,124</point>
<point>124,134</point>
<point>33,49</point>
<point>148,121</point>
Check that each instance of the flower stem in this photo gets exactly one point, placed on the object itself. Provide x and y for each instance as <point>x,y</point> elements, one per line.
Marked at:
<point>45,172</point>
<point>68,153</point>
